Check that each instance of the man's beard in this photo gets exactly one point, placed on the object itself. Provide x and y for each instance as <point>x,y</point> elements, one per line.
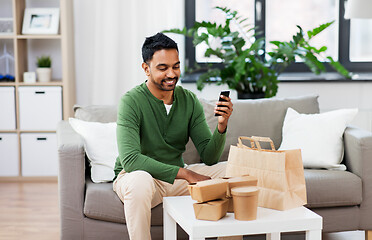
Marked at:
<point>163,86</point>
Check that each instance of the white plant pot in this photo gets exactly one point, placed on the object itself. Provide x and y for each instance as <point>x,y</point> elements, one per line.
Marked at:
<point>44,74</point>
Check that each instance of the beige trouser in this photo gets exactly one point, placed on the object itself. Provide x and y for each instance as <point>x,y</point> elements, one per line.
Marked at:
<point>140,192</point>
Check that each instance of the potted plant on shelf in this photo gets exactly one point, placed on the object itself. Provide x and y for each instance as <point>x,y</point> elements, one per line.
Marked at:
<point>247,68</point>
<point>44,71</point>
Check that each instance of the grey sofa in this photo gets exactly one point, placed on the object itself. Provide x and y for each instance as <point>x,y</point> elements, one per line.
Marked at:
<point>93,211</point>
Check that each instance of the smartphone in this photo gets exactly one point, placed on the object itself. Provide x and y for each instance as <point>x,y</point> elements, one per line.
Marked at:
<point>225,93</point>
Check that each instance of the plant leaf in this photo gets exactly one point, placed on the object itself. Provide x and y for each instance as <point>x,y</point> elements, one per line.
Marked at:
<point>176,30</point>
<point>339,68</point>
<point>319,29</point>
<point>200,38</point>
<point>313,63</point>
<point>276,43</point>
<point>206,77</point>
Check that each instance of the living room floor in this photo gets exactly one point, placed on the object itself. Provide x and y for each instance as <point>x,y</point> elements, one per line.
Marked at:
<point>30,211</point>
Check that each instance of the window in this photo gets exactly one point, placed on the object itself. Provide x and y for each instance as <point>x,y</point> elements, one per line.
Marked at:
<point>204,12</point>
<point>360,40</point>
<point>347,41</point>
<point>281,25</point>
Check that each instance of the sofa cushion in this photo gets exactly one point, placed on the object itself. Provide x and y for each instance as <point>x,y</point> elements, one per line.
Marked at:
<point>102,203</point>
<point>261,117</point>
<point>321,132</point>
<point>100,147</point>
<point>96,113</point>
<point>326,188</point>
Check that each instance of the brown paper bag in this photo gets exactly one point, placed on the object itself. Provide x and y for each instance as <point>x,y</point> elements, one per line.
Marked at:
<point>280,174</point>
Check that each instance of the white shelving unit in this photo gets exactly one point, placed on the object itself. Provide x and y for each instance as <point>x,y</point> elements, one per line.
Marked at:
<point>30,112</point>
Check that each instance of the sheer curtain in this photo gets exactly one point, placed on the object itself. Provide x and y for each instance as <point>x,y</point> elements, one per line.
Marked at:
<point>108,39</point>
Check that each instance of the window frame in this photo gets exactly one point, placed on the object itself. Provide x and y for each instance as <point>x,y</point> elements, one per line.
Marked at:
<point>343,41</point>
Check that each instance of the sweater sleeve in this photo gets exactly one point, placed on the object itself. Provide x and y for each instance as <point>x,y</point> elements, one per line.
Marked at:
<point>210,146</point>
<point>129,146</point>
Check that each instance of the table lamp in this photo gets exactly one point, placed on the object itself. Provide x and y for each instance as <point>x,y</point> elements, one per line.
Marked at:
<point>358,9</point>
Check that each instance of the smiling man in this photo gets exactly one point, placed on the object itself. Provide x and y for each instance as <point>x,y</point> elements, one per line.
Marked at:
<point>155,121</point>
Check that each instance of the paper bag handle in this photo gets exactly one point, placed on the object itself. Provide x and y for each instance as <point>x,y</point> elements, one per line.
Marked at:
<point>240,144</point>
<point>255,142</point>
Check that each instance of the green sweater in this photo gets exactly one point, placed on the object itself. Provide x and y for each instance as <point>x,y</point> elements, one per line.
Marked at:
<point>150,140</point>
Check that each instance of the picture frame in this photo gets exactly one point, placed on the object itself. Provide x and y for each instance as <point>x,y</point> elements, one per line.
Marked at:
<point>41,21</point>
<point>6,26</point>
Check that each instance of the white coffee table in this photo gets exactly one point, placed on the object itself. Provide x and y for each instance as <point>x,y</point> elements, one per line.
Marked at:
<point>270,222</point>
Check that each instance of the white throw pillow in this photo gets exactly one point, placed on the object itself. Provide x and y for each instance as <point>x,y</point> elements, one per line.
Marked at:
<point>319,136</point>
<point>100,146</point>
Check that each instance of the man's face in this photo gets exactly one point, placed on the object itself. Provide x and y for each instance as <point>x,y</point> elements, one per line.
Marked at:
<point>163,70</point>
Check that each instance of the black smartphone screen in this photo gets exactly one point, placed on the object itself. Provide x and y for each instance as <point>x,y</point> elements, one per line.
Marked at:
<point>225,93</point>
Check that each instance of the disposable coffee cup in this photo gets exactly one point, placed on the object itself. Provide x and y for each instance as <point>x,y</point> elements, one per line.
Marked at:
<point>230,208</point>
<point>245,201</point>
<point>241,181</point>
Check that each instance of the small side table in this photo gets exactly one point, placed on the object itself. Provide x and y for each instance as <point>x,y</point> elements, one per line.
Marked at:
<point>270,222</point>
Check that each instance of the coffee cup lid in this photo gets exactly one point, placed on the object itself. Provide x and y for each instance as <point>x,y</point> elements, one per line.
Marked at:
<point>244,191</point>
<point>244,178</point>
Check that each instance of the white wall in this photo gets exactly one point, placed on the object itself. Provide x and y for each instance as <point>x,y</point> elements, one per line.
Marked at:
<point>337,95</point>
<point>332,96</point>
<point>108,41</point>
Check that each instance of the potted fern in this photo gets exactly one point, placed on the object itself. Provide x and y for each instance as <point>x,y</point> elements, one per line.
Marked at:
<point>247,68</point>
<point>44,71</point>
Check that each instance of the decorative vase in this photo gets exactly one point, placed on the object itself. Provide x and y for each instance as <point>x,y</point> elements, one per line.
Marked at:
<point>250,95</point>
<point>44,74</point>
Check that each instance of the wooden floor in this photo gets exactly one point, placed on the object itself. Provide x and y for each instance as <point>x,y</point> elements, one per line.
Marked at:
<point>29,211</point>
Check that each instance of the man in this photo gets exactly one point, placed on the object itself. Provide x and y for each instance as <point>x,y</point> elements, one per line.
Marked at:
<point>155,121</point>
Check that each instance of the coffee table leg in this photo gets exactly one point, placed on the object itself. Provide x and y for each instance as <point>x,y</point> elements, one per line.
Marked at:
<point>314,235</point>
<point>273,236</point>
<point>169,226</point>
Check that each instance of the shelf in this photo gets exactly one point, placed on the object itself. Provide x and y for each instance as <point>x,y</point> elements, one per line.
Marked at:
<point>8,131</point>
<point>37,84</point>
<point>7,83</point>
<point>58,36</point>
<point>27,131</point>
<point>37,36</point>
<point>36,131</point>
<point>55,82</point>
<point>7,36</point>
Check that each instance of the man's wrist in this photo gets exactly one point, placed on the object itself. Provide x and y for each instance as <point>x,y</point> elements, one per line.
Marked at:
<point>182,173</point>
<point>222,129</point>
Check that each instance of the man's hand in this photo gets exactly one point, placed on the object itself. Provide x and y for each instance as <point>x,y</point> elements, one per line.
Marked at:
<point>190,176</point>
<point>225,111</point>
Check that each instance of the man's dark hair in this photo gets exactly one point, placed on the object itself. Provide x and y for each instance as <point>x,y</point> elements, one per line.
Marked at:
<point>155,43</point>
